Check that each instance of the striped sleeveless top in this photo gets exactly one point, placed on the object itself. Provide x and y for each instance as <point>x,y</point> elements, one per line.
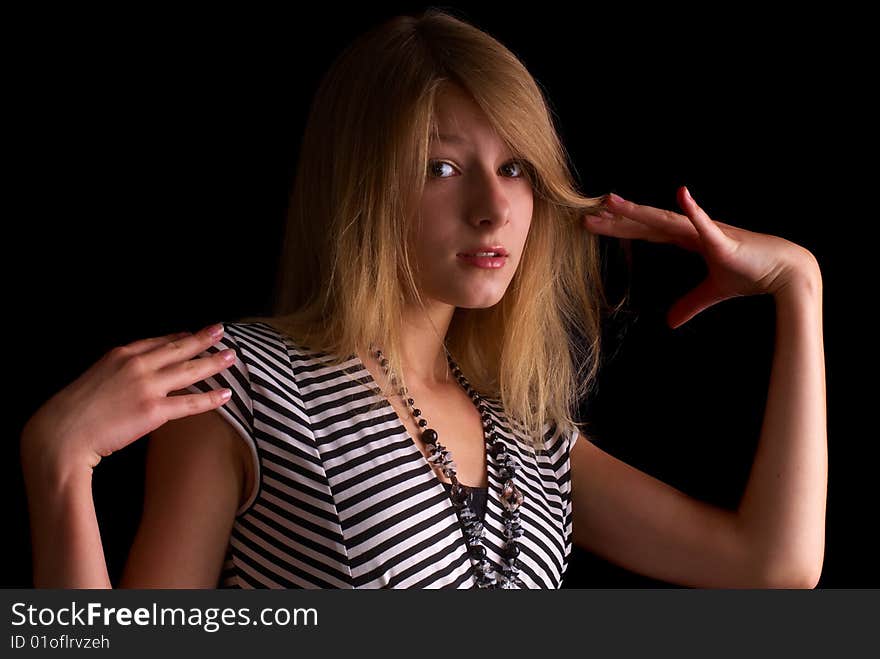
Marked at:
<point>342,495</point>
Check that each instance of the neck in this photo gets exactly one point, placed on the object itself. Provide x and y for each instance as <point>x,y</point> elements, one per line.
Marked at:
<point>423,354</point>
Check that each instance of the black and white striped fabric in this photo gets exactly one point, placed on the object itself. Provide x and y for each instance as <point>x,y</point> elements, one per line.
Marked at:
<point>344,498</point>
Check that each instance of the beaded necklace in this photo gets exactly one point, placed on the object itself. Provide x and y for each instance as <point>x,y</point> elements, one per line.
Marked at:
<point>511,497</point>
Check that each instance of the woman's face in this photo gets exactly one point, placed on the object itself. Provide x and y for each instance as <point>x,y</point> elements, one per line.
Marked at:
<point>476,196</point>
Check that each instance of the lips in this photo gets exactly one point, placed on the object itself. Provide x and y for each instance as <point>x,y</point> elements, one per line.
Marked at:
<point>489,262</point>
<point>496,250</point>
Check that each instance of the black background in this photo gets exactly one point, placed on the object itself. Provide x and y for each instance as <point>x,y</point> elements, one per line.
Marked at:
<point>162,148</point>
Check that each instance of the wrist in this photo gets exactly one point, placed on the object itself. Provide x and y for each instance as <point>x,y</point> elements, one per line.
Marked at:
<point>803,279</point>
<point>50,461</point>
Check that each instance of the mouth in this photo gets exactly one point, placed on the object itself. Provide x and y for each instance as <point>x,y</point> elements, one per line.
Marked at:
<point>493,251</point>
<point>490,260</point>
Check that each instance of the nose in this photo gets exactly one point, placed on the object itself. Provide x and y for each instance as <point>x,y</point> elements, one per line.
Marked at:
<point>489,202</point>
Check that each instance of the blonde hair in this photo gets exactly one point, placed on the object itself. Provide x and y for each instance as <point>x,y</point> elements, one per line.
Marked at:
<point>346,269</point>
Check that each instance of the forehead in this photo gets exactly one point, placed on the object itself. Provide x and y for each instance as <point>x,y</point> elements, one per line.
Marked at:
<point>458,119</point>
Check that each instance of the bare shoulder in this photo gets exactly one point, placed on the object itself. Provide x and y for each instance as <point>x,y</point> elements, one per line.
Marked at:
<point>218,435</point>
<point>211,433</point>
<point>195,482</point>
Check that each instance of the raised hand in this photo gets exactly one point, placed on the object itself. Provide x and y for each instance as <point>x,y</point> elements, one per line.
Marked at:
<point>739,262</point>
<point>124,396</point>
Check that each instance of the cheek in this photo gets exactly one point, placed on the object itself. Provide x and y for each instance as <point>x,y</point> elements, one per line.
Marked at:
<point>529,205</point>
<point>426,243</point>
<point>525,228</point>
<point>437,226</point>
<point>424,234</point>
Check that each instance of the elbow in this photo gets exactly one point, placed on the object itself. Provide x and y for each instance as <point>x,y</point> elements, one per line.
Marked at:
<point>795,565</point>
<point>793,575</point>
<point>804,581</point>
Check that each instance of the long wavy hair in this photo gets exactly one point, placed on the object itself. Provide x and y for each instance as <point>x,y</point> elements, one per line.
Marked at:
<point>346,266</point>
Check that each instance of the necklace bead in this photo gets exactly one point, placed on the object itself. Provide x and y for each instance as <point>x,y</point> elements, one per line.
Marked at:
<point>511,497</point>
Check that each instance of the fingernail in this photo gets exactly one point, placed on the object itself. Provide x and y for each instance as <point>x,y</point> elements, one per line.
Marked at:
<point>216,330</point>
<point>608,215</point>
<point>688,193</point>
<point>616,198</point>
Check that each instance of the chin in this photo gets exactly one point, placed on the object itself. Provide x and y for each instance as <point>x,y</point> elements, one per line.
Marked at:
<point>477,306</point>
<point>471,295</point>
<point>485,302</point>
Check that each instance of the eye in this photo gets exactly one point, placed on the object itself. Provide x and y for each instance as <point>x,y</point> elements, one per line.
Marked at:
<point>516,166</point>
<point>434,166</point>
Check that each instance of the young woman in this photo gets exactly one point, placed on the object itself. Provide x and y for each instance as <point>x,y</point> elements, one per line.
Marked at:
<point>438,261</point>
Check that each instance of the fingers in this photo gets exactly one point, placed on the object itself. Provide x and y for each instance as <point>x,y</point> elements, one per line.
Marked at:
<point>169,361</point>
<point>608,224</point>
<point>693,230</point>
<point>709,232</point>
<point>176,407</point>
<point>145,345</point>
<point>625,219</point>
<point>653,217</point>
<point>176,350</point>
<point>182,375</point>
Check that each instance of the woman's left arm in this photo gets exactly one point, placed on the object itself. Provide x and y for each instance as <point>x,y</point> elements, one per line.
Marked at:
<point>782,510</point>
<point>781,517</point>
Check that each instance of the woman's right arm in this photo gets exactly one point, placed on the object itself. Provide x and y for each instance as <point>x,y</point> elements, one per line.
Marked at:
<point>121,398</point>
<point>65,540</point>
<point>195,483</point>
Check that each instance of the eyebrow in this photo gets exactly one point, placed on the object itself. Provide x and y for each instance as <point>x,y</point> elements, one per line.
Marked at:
<point>446,137</point>
<point>450,138</point>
